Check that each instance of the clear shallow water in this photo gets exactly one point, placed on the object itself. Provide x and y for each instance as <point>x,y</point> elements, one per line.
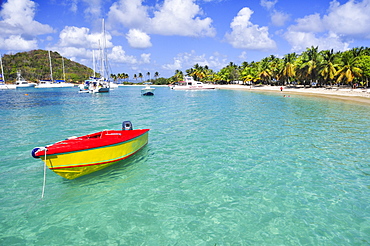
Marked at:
<point>222,167</point>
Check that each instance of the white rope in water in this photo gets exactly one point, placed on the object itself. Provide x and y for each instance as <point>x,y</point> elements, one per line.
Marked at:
<point>44,184</point>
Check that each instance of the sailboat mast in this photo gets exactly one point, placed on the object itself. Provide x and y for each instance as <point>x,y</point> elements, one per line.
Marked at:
<point>51,69</point>
<point>2,69</point>
<point>64,74</point>
<point>103,50</point>
<point>94,68</point>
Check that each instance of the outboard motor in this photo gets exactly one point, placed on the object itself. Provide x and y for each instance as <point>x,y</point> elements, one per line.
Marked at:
<point>126,125</point>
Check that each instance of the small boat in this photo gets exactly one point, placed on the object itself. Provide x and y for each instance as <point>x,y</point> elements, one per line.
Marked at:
<point>78,156</point>
<point>21,82</point>
<point>191,84</point>
<point>147,91</point>
<point>51,84</point>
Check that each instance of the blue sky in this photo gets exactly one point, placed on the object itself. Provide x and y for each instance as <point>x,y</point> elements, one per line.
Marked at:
<point>165,35</point>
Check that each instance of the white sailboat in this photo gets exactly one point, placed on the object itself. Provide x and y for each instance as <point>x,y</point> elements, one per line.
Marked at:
<point>4,86</point>
<point>94,84</point>
<point>51,83</point>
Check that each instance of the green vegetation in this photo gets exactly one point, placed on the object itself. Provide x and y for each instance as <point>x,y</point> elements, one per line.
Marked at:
<point>34,66</point>
<point>312,67</point>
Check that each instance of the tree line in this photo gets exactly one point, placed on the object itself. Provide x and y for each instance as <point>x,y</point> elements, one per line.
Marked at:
<point>311,67</point>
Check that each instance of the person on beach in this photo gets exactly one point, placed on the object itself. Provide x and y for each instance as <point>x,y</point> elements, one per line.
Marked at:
<point>281,88</point>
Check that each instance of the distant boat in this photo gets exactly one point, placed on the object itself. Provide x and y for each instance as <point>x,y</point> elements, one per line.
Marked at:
<point>94,84</point>
<point>21,82</point>
<point>191,84</point>
<point>147,91</point>
<point>4,86</point>
<point>113,85</point>
<point>78,156</point>
<point>51,83</point>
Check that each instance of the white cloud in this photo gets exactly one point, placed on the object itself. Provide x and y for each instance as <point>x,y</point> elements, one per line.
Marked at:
<point>145,58</point>
<point>268,4</point>
<point>16,42</point>
<point>334,30</point>
<point>246,35</point>
<point>18,18</point>
<point>138,39</point>
<point>180,17</point>
<point>310,23</point>
<point>119,55</point>
<point>279,18</point>
<point>94,8</point>
<point>243,56</point>
<point>349,19</point>
<point>186,60</point>
<point>176,65</point>
<point>81,37</point>
<point>18,29</point>
<point>301,40</point>
<point>173,17</point>
<point>130,13</point>
<point>74,53</point>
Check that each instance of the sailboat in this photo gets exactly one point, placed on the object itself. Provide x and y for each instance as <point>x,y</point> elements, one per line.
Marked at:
<point>63,82</point>
<point>94,84</point>
<point>51,83</point>
<point>4,86</point>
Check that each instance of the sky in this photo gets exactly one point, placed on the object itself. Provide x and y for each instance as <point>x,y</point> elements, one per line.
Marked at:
<point>149,36</point>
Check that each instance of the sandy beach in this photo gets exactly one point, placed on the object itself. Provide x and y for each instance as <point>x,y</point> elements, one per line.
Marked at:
<point>355,95</point>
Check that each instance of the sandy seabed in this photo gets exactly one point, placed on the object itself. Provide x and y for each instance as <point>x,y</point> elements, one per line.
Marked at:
<point>355,95</point>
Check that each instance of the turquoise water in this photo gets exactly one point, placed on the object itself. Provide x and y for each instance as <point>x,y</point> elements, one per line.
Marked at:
<point>222,167</point>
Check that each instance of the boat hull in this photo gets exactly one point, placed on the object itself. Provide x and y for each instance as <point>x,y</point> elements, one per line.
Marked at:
<point>74,164</point>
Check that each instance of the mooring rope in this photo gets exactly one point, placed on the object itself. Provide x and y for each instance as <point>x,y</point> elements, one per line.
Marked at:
<point>44,183</point>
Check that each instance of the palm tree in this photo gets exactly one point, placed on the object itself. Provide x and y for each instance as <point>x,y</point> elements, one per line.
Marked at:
<point>349,68</point>
<point>178,75</point>
<point>135,77</point>
<point>288,69</point>
<point>156,75</point>
<point>264,70</point>
<point>311,61</point>
<point>141,76</point>
<point>148,74</point>
<point>328,66</point>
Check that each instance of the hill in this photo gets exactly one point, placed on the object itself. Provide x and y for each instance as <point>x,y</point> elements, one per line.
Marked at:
<point>34,65</point>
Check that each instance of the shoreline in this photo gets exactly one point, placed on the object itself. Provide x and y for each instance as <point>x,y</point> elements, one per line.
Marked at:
<point>354,95</point>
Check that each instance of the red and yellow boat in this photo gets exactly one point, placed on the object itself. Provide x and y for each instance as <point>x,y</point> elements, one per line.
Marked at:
<point>78,156</point>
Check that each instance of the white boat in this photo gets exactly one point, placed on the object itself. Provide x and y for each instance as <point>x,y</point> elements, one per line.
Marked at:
<point>113,85</point>
<point>191,84</point>
<point>4,86</point>
<point>94,84</point>
<point>51,83</point>
<point>147,91</point>
<point>21,82</point>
